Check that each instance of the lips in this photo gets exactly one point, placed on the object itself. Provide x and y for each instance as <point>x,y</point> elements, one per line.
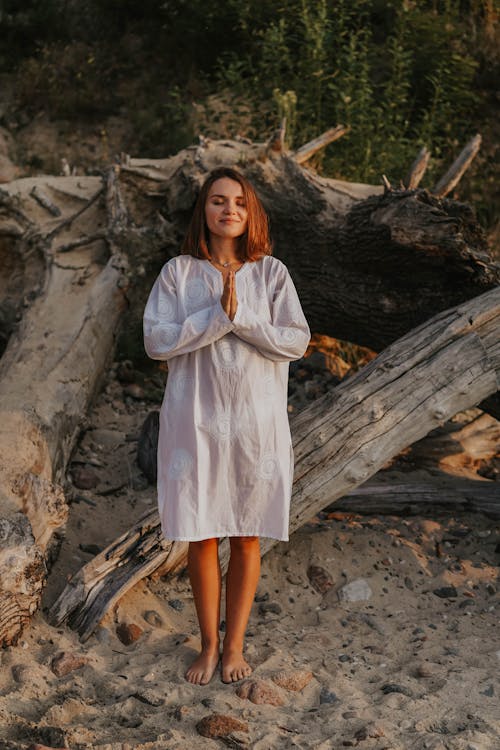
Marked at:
<point>229,221</point>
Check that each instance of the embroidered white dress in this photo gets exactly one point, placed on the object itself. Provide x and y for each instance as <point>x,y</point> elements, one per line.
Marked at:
<point>225,457</point>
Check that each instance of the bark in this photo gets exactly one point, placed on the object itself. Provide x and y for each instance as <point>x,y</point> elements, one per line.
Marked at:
<point>48,377</point>
<point>444,366</point>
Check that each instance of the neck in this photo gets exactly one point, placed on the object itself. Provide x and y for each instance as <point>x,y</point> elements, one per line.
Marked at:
<point>223,249</point>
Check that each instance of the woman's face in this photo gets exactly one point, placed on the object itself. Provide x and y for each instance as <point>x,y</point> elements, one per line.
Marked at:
<point>225,209</point>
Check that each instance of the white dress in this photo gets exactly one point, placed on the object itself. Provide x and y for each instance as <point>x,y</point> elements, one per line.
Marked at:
<point>225,457</point>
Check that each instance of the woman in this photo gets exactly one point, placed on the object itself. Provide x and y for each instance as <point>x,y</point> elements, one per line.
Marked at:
<point>226,316</point>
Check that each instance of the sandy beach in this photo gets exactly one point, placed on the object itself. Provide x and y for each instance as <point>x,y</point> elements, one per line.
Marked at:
<point>377,631</point>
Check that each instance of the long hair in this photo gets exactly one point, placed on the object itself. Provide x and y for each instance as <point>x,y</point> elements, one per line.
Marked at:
<point>253,243</point>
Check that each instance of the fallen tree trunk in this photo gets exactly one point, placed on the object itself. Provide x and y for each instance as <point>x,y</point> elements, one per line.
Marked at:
<point>417,497</point>
<point>448,364</point>
<point>48,377</point>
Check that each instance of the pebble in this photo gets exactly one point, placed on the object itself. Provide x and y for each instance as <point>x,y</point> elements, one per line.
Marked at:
<point>295,580</point>
<point>328,696</point>
<point>319,578</point>
<point>393,687</point>
<point>273,607</point>
<point>153,618</point>
<point>21,673</point>
<point>128,632</point>
<point>84,478</point>
<point>261,691</point>
<point>489,691</point>
<point>355,591</point>
<point>176,604</point>
<point>134,391</point>
<point>220,725</point>
<point>446,592</point>
<point>424,670</point>
<point>64,662</point>
<point>292,679</point>
<point>149,696</point>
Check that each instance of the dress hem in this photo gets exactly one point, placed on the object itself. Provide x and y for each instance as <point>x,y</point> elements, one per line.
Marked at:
<point>222,535</point>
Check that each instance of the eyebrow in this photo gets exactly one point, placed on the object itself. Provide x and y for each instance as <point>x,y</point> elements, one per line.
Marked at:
<point>220,195</point>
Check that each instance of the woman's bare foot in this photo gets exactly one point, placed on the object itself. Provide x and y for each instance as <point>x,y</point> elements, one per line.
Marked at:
<point>201,670</point>
<point>234,666</point>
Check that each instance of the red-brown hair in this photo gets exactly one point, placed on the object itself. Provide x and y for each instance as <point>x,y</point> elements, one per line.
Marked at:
<point>253,244</point>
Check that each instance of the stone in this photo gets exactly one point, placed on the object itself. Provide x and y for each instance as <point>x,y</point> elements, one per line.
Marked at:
<point>295,679</point>
<point>355,591</point>
<point>145,695</point>
<point>220,725</point>
<point>64,662</point>
<point>319,578</point>
<point>153,618</point>
<point>393,687</point>
<point>261,691</point>
<point>128,632</point>
<point>21,673</point>
<point>327,696</point>
<point>84,478</point>
<point>273,607</point>
<point>446,592</point>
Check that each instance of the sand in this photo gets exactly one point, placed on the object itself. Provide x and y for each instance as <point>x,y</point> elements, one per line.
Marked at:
<point>414,665</point>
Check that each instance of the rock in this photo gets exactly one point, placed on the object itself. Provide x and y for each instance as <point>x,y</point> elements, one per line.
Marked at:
<point>295,580</point>
<point>424,670</point>
<point>153,618</point>
<point>355,591</point>
<point>327,696</point>
<point>84,478</point>
<point>292,679</point>
<point>176,604</point>
<point>489,691</point>
<point>37,746</point>
<point>145,695</point>
<point>261,691</point>
<point>273,607</point>
<point>393,687</point>
<point>134,391</point>
<point>220,725</point>
<point>128,632</point>
<point>21,673</point>
<point>262,597</point>
<point>446,592</point>
<point>319,578</point>
<point>64,662</point>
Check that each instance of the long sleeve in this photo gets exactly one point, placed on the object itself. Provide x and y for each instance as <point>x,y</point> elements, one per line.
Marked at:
<point>166,335</point>
<point>287,336</point>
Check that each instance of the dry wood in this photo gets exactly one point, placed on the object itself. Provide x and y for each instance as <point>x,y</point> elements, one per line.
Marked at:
<point>43,199</point>
<point>48,376</point>
<point>305,152</point>
<point>458,168</point>
<point>448,364</point>
<point>461,494</point>
<point>417,169</point>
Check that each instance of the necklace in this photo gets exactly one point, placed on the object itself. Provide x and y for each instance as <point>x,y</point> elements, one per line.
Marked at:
<point>225,264</point>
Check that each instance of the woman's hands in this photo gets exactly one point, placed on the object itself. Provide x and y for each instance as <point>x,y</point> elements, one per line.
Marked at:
<point>228,299</point>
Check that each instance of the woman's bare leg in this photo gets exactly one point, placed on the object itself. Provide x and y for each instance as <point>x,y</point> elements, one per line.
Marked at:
<point>241,583</point>
<point>205,575</point>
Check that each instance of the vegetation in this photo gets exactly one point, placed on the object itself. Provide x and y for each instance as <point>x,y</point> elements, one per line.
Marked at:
<point>401,74</point>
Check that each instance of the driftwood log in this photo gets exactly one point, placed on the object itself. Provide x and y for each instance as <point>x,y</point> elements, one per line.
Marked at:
<point>77,251</point>
<point>444,366</point>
